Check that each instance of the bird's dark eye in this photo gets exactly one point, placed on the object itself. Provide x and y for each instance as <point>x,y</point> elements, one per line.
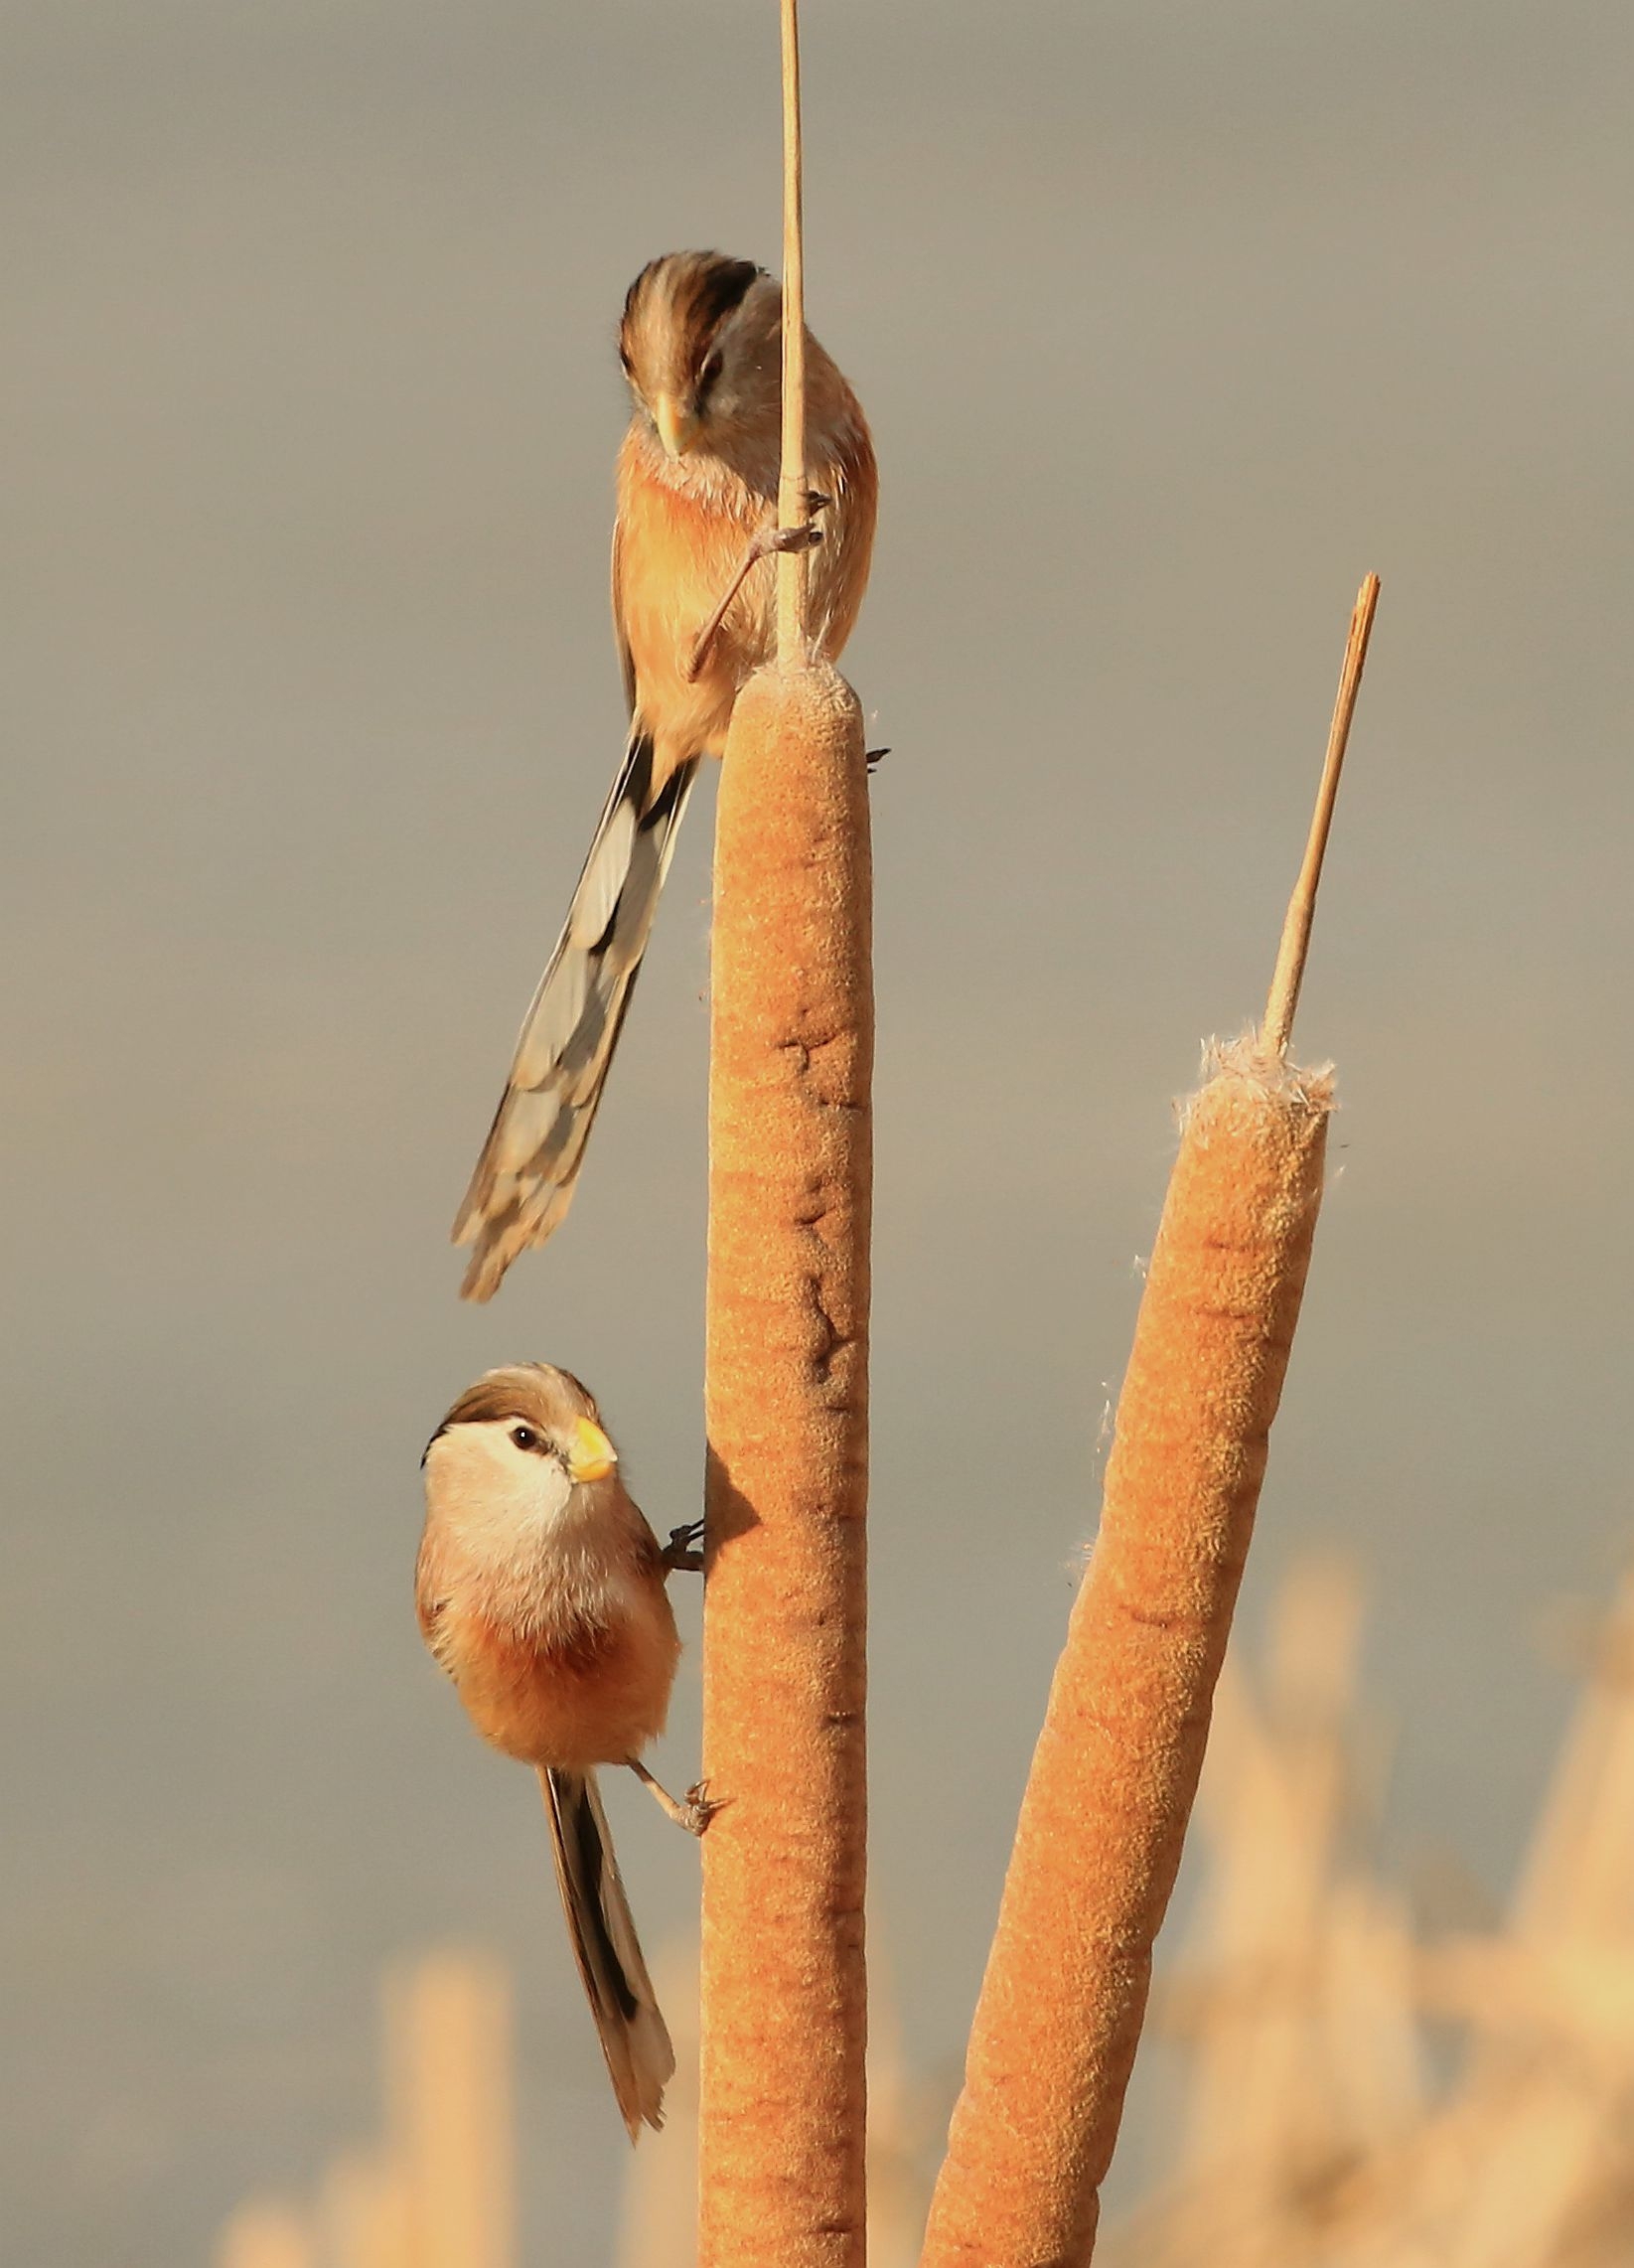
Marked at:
<point>708,371</point>
<point>526,1437</point>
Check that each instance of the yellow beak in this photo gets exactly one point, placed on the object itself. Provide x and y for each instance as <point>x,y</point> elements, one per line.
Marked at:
<point>592,1456</point>
<point>677,428</point>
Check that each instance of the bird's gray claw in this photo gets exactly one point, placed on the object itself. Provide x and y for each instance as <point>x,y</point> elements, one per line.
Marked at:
<point>795,538</point>
<point>699,1807</point>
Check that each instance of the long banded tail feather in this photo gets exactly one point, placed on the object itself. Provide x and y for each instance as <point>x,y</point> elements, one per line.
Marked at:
<point>524,1181</point>
<point>632,2034</point>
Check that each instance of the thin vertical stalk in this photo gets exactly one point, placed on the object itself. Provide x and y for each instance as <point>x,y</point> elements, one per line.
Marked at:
<point>793,642</point>
<point>448,2073</point>
<point>266,2236</point>
<point>1289,975</point>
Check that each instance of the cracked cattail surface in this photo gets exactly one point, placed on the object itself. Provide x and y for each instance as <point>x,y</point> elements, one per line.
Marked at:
<point>697,491</point>
<point>1117,1763</point>
<point>785,2015</point>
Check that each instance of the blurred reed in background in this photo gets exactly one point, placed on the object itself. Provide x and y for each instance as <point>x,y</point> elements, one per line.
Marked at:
<point>1314,2126</point>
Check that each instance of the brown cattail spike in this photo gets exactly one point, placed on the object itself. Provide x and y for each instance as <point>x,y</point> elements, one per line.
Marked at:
<point>784,1990</point>
<point>1117,1763</point>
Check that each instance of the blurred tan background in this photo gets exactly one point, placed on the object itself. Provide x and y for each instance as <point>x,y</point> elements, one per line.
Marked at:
<point>1171,319</point>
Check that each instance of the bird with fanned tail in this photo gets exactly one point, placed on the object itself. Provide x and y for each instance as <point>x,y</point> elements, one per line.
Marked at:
<point>693,613</point>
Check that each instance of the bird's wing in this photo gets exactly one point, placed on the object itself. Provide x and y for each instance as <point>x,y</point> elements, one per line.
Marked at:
<point>627,660</point>
<point>430,1587</point>
<point>523,1180</point>
<point>848,476</point>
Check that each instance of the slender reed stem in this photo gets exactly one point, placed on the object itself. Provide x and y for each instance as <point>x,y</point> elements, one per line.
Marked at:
<point>792,645</point>
<point>1289,975</point>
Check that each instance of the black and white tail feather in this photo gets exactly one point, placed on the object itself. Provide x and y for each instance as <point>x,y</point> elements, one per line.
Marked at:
<point>632,2034</point>
<point>525,1178</point>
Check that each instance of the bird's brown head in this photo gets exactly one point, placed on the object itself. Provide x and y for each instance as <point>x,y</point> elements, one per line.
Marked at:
<point>519,1443</point>
<point>699,345</point>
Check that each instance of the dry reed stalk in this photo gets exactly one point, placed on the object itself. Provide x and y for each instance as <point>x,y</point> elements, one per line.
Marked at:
<point>784,2004</point>
<point>265,2236</point>
<point>1578,1886</point>
<point>1290,972</point>
<point>794,507</point>
<point>1115,1770</point>
<point>1540,2132</point>
<point>448,2085</point>
<point>899,2125</point>
<point>366,2216</point>
<point>658,2219</point>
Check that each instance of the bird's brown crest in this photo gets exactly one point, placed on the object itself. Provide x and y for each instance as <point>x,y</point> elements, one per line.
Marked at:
<point>533,1390</point>
<point>676,306</point>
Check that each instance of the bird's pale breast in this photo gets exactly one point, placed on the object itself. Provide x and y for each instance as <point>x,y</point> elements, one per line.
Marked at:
<point>597,1697</point>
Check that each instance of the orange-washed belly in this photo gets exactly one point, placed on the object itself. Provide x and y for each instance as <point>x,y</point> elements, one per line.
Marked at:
<point>679,554</point>
<point>596,1701</point>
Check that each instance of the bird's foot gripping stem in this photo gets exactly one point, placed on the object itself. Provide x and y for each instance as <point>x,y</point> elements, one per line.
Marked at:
<point>684,1553</point>
<point>694,1812</point>
<point>761,545</point>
